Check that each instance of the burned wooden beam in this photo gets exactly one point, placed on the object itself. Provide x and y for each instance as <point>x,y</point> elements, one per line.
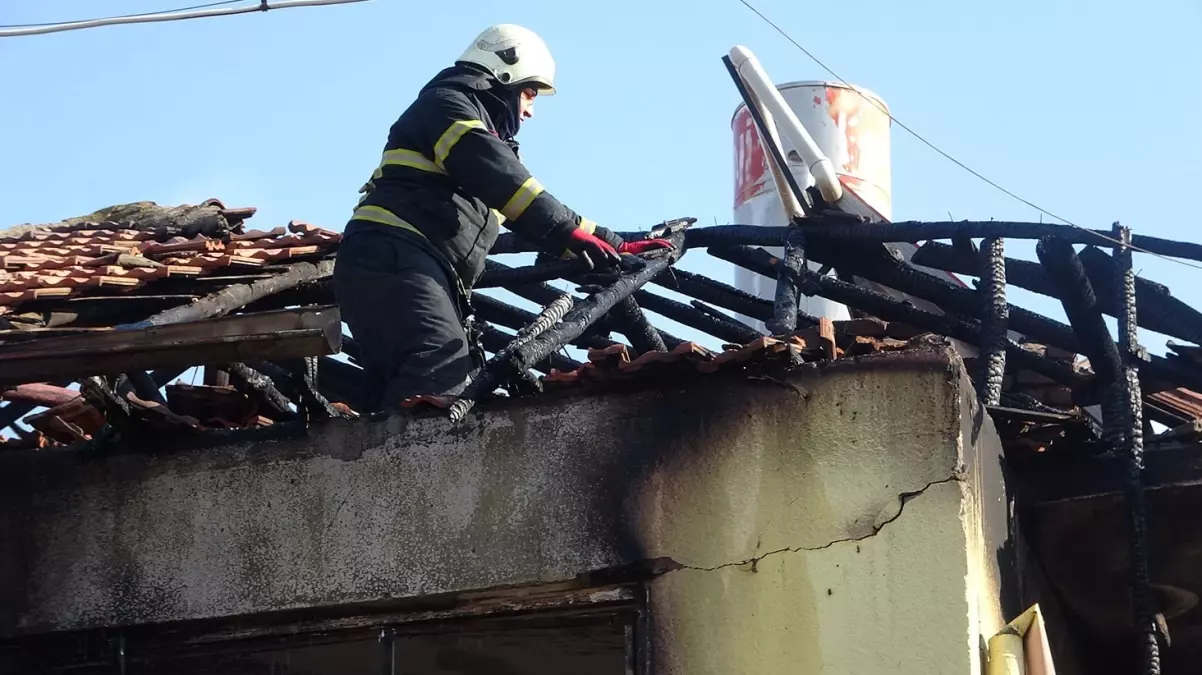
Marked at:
<point>841,229</point>
<point>494,370</point>
<point>576,321</point>
<point>634,325</point>
<point>497,275</point>
<point>1158,310</point>
<point>314,405</point>
<point>723,328</point>
<point>503,314</point>
<point>1077,297</point>
<point>495,340</point>
<point>104,310</point>
<point>13,411</point>
<point>890,309</point>
<point>1129,407</point>
<point>342,382</point>
<point>949,297</point>
<point>626,317</point>
<point>210,218</point>
<point>995,313</point>
<point>784,309</point>
<point>215,376</point>
<point>261,389</point>
<point>1021,273</point>
<point>282,334</point>
<point>232,297</point>
<point>715,293</point>
<point>146,387</point>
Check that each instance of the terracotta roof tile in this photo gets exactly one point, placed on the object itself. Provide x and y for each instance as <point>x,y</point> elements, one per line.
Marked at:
<point>1181,400</point>
<point>40,264</point>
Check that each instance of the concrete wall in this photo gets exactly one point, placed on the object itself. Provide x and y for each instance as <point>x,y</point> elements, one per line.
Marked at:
<point>830,521</point>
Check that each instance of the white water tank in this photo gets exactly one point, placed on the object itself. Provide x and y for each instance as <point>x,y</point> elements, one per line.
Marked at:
<point>851,128</point>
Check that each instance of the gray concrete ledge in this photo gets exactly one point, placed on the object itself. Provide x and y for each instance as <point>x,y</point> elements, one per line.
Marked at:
<point>523,493</point>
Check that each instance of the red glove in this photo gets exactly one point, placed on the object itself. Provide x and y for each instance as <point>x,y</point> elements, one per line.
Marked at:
<point>593,249</point>
<point>637,247</point>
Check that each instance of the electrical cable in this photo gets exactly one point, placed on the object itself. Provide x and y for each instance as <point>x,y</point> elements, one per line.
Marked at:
<point>195,12</point>
<point>125,16</point>
<point>962,165</point>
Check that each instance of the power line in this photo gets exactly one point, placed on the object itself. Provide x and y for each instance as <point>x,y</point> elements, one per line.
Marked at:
<point>962,165</point>
<point>195,12</point>
<point>125,16</point>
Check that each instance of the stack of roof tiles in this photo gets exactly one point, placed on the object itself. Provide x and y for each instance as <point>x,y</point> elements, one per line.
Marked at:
<point>135,252</point>
<point>41,265</point>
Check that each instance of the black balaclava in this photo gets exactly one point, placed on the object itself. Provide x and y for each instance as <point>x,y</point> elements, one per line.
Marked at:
<point>503,104</point>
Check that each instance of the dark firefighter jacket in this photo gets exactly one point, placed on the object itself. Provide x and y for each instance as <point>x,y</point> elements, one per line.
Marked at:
<point>447,176</point>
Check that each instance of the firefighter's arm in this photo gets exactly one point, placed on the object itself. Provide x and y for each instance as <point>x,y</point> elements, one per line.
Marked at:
<point>474,157</point>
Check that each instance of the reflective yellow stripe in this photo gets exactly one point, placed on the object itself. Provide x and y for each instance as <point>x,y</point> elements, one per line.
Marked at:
<point>451,136</point>
<point>522,198</point>
<point>378,214</point>
<point>411,159</point>
<point>500,216</point>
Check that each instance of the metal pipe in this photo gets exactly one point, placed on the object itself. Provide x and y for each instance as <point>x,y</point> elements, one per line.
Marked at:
<point>768,137</point>
<point>749,69</point>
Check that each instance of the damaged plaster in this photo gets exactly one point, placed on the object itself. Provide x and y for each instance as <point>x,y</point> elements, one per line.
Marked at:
<point>839,505</point>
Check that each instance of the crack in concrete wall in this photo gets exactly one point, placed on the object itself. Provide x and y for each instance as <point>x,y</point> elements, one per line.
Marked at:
<point>903,498</point>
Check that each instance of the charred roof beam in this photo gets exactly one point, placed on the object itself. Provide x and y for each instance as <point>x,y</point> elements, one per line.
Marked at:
<point>1063,267</point>
<point>1159,310</point>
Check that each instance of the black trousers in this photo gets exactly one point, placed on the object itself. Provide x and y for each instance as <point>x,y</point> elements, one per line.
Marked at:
<point>403,308</point>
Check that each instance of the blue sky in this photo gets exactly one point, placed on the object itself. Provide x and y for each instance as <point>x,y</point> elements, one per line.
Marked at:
<point>1086,108</point>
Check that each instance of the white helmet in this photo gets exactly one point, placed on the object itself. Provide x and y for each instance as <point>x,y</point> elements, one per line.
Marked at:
<point>513,55</point>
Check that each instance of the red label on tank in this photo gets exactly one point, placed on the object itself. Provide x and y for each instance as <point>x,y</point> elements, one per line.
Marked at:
<point>750,167</point>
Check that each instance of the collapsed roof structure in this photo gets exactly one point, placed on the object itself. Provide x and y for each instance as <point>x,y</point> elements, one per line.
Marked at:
<point>121,301</point>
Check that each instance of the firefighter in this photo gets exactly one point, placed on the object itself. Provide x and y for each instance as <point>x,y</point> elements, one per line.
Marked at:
<point>417,241</point>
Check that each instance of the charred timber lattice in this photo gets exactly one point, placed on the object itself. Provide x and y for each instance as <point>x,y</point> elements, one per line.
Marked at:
<point>839,229</point>
<point>557,325</point>
<point>486,380</point>
<point>879,304</point>
<point>1158,310</point>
